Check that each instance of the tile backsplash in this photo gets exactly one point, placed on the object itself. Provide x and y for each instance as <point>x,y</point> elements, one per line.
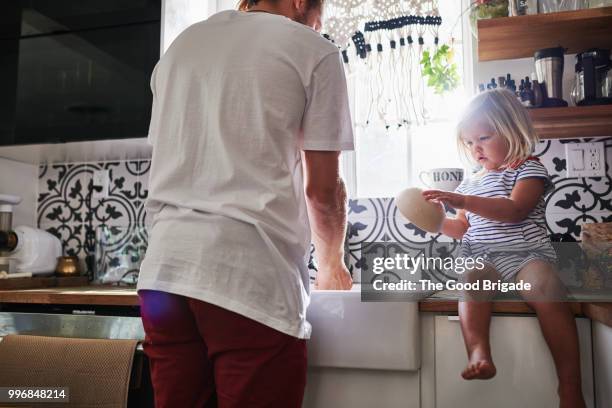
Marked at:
<point>67,208</point>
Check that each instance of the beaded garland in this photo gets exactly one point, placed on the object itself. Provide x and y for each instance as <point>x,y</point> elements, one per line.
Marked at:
<point>384,40</point>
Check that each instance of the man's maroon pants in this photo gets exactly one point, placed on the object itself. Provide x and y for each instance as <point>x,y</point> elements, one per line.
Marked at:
<point>202,355</point>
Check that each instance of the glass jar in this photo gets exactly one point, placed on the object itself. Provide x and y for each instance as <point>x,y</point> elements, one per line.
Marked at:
<point>553,6</point>
<point>599,3</point>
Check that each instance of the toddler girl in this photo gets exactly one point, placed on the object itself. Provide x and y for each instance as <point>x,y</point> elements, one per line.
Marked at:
<point>501,218</point>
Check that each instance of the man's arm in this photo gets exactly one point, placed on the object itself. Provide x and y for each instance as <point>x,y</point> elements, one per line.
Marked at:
<point>326,201</point>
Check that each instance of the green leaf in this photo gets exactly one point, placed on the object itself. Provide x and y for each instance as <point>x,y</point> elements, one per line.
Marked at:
<point>437,68</point>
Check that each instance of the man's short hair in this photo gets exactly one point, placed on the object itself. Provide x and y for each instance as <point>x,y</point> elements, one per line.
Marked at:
<point>244,5</point>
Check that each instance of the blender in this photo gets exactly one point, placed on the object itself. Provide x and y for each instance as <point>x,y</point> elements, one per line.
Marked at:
<point>593,84</point>
<point>549,69</point>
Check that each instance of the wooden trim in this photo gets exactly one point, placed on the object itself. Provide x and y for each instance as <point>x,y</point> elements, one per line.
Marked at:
<point>522,36</point>
<point>449,306</point>
<point>572,122</point>
<point>90,295</point>
<point>115,296</point>
<point>42,282</point>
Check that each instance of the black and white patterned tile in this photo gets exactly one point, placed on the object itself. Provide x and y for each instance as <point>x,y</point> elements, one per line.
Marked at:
<point>368,207</point>
<point>401,230</point>
<point>62,196</point>
<point>584,195</point>
<point>68,208</point>
<point>365,229</point>
<point>142,168</point>
<point>62,206</point>
<point>569,224</point>
<point>355,263</point>
<point>366,225</point>
<point>125,198</point>
<point>574,201</point>
<point>119,251</point>
<point>72,237</point>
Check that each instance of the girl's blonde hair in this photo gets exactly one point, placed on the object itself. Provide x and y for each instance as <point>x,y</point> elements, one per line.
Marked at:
<point>501,110</point>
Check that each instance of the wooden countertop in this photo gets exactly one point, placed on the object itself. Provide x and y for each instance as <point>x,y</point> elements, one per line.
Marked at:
<point>118,296</point>
<point>80,295</point>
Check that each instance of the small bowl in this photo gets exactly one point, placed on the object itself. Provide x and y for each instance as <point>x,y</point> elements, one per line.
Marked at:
<point>426,215</point>
<point>67,266</point>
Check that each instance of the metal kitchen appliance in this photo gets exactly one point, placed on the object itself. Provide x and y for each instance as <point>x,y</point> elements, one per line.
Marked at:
<point>549,70</point>
<point>593,84</point>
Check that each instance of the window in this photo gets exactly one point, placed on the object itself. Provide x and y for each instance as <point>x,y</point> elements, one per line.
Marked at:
<point>387,160</point>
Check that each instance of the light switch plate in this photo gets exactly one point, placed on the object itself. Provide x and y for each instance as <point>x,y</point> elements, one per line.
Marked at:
<point>585,159</point>
<point>101,181</point>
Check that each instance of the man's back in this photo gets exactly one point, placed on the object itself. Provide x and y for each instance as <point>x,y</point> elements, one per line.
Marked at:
<point>226,191</point>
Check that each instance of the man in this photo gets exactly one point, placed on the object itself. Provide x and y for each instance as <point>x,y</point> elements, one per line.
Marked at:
<point>250,113</point>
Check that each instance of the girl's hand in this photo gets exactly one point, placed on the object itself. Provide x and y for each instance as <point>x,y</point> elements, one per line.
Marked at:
<point>454,200</point>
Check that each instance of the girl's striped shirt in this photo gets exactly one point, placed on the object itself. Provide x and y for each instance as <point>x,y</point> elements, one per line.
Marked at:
<point>500,184</point>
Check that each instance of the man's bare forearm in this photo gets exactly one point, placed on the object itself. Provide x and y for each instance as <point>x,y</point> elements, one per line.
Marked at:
<point>328,226</point>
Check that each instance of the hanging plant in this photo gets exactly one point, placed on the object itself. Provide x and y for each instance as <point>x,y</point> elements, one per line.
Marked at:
<point>484,9</point>
<point>440,70</point>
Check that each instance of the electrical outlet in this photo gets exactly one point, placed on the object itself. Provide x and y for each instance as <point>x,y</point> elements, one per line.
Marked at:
<point>585,159</point>
<point>593,158</point>
<point>101,181</point>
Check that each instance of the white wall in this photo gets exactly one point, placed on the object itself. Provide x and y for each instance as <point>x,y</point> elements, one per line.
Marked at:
<point>20,179</point>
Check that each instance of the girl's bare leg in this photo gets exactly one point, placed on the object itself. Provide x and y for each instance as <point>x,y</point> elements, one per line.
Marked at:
<point>475,317</point>
<point>558,327</point>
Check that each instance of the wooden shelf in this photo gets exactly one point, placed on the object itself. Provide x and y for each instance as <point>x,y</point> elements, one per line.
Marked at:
<point>572,122</point>
<point>522,36</point>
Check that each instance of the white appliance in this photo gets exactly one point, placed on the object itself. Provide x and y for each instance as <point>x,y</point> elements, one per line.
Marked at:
<point>36,252</point>
<point>362,354</point>
<point>6,222</point>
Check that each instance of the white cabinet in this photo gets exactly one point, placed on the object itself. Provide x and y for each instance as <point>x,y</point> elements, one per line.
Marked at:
<point>602,357</point>
<point>349,333</point>
<point>525,371</point>
<point>354,388</point>
<point>362,354</point>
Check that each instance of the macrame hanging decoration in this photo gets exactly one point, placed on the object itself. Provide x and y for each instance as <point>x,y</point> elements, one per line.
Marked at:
<point>383,40</point>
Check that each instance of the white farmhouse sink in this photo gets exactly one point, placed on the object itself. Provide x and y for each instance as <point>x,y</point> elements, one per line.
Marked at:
<point>348,333</point>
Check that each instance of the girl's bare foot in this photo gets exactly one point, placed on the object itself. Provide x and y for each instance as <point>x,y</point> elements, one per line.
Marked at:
<point>480,367</point>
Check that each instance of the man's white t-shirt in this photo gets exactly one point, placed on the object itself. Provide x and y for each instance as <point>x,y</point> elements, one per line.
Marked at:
<point>236,98</point>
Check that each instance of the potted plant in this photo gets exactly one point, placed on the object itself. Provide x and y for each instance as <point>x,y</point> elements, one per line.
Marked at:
<point>440,70</point>
<point>481,9</point>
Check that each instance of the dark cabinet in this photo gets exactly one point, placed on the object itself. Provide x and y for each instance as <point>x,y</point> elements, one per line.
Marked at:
<point>75,70</point>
